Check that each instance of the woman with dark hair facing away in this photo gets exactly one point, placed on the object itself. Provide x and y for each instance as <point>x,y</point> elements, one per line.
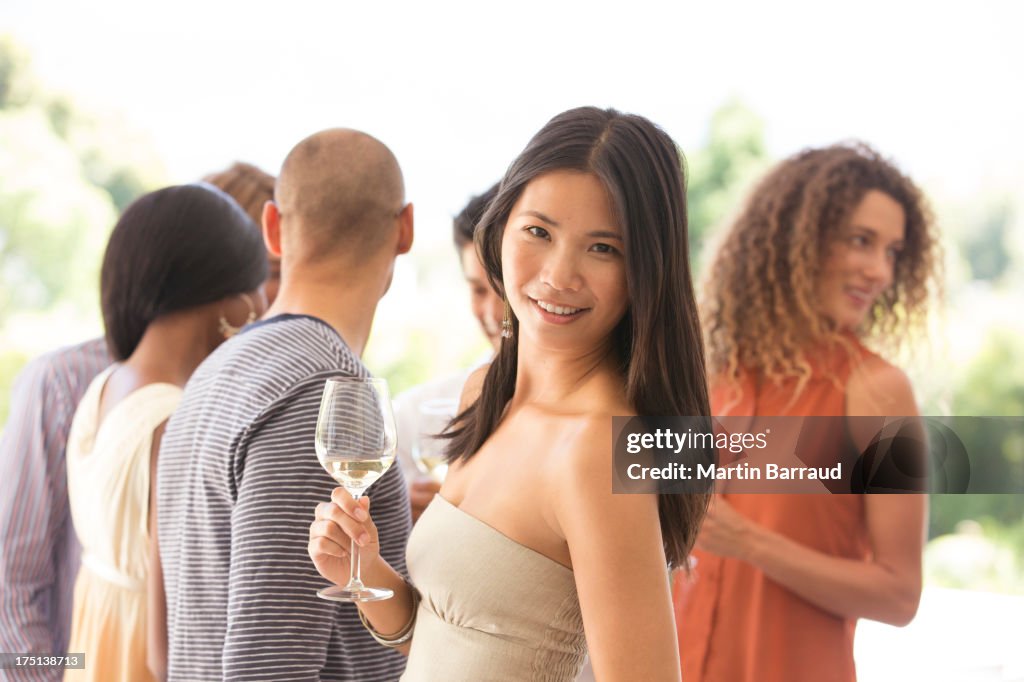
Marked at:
<point>176,274</point>
<point>834,251</point>
<point>525,556</point>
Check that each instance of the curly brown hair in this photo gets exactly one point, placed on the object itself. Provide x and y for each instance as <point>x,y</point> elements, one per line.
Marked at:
<point>759,300</point>
<point>250,186</point>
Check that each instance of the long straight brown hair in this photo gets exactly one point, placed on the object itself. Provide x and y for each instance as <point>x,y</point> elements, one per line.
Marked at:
<point>658,342</point>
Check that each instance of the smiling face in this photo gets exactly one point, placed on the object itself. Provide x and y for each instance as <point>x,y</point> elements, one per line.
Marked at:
<point>562,261</point>
<point>859,264</point>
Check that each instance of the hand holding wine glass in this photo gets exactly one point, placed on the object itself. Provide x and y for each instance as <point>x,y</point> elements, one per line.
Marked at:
<point>337,523</point>
<point>355,443</point>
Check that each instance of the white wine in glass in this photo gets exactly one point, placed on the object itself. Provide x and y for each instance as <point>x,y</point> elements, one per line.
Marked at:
<point>432,417</point>
<point>355,443</point>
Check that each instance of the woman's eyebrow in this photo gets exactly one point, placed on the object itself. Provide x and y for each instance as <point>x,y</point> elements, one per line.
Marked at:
<point>601,234</point>
<point>873,233</point>
<point>539,216</point>
<point>604,234</point>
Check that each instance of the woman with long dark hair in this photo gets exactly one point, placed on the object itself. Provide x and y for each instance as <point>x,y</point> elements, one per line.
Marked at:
<point>833,253</point>
<point>526,556</point>
<point>183,270</point>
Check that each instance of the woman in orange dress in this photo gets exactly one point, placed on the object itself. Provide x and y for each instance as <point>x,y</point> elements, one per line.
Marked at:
<point>834,251</point>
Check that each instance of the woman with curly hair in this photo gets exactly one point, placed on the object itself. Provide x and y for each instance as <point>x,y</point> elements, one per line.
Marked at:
<point>834,251</point>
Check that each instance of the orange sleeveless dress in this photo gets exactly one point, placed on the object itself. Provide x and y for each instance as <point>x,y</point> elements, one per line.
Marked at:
<point>735,624</point>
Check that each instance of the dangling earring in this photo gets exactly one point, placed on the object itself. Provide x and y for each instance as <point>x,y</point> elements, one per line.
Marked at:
<point>506,322</point>
<point>228,330</point>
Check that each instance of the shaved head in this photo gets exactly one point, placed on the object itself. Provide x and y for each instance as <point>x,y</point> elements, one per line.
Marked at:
<point>339,189</point>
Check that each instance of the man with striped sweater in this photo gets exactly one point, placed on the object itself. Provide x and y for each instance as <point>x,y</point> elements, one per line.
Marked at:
<point>238,476</point>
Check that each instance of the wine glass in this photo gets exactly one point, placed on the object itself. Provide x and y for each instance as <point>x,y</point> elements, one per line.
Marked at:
<point>432,418</point>
<point>355,443</point>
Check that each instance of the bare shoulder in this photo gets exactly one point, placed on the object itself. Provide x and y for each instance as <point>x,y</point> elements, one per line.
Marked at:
<point>582,467</point>
<point>584,445</point>
<point>583,453</point>
<point>473,387</point>
<point>877,387</point>
<point>588,435</point>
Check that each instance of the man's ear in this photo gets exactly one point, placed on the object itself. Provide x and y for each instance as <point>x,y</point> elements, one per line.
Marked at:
<point>272,228</point>
<point>405,230</point>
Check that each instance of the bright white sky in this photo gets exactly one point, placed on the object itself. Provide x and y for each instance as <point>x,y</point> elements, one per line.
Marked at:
<point>456,89</point>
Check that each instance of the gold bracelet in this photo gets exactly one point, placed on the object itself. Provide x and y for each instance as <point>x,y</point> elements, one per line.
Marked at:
<point>402,636</point>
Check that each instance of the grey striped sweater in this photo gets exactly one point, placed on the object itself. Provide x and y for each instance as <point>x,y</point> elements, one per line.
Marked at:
<point>238,482</point>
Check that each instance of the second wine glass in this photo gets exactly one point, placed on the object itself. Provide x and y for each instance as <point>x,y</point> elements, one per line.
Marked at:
<point>428,449</point>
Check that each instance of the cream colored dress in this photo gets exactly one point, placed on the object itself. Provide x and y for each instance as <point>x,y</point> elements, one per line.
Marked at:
<point>108,487</point>
<point>491,609</point>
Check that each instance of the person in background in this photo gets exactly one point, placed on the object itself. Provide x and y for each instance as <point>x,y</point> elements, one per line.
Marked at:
<point>834,251</point>
<point>488,309</point>
<point>183,271</point>
<point>525,557</point>
<point>238,467</point>
<point>252,188</point>
<point>39,551</point>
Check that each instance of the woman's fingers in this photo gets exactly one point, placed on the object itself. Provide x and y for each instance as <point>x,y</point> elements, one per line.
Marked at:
<point>329,530</point>
<point>352,517</point>
<point>349,505</point>
<point>335,523</point>
<point>330,559</point>
<point>327,539</point>
<point>321,546</point>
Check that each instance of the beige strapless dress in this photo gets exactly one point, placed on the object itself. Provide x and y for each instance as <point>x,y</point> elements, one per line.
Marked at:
<point>491,608</point>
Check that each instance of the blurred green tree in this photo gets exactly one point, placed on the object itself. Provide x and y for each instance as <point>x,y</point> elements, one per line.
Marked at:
<point>54,221</point>
<point>65,174</point>
<point>14,89</point>
<point>412,368</point>
<point>992,387</point>
<point>986,247</point>
<point>723,170</point>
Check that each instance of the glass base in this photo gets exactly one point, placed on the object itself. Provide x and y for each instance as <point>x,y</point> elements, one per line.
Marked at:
<point>359,594</point>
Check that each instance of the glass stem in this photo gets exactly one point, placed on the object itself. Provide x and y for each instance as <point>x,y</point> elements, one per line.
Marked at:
<point>354,578</point>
